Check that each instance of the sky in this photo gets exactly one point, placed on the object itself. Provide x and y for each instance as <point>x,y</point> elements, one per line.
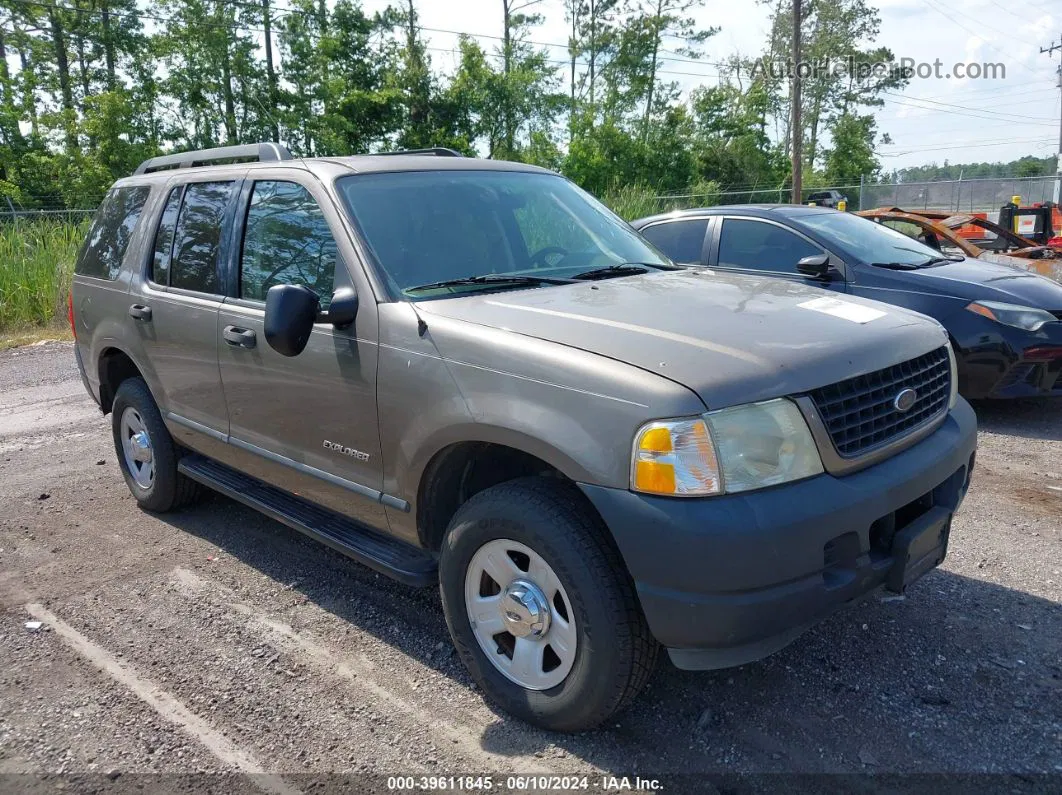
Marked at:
<point>935,119</point>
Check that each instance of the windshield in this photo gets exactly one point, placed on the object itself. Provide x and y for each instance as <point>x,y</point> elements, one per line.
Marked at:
<point>868,241</point>
<point>429,227</point>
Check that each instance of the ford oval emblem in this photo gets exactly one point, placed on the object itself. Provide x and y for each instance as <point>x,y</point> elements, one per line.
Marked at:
<point>905,401</point>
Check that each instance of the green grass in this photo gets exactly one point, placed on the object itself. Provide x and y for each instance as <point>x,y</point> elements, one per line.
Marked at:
<point>37,260</point>
<point>632,202</point>
<point>36,263</point>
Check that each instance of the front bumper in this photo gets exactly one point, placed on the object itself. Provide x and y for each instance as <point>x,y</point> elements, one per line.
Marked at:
<point>997,361</point>
<point>727,580</point>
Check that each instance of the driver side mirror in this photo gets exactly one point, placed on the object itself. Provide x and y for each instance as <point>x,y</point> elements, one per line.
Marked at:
<point>815,267</point>
<point>291,310</point>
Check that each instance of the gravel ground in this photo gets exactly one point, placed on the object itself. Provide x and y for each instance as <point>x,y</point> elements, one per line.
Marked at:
<point>215,640</point>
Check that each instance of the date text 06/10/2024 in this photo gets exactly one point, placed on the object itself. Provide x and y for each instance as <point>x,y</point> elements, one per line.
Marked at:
<point>518,783</point>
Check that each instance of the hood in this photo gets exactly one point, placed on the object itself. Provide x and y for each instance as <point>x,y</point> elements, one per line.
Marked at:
<point>731,339</point>
<point>978,279</point>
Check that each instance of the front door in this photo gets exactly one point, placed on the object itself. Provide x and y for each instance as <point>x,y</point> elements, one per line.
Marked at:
<point>307,423</point>
<point>761,247</point>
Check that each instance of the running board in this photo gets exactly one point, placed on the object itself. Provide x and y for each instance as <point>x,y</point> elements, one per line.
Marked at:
<point>396,559</point>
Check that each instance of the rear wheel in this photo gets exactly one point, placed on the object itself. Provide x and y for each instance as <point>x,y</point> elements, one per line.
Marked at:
<point>147,454</point>
<point>541,608</point>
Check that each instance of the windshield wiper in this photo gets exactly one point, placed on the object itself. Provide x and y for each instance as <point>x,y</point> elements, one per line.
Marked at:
<point>625,269</point>
<point>941,261</point>
<point>896,266</point>
<point>498,279</point>
<point>911,266</point>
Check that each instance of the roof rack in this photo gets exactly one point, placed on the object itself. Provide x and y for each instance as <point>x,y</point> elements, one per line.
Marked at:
<point>437,151</point>
<point>263,152</point>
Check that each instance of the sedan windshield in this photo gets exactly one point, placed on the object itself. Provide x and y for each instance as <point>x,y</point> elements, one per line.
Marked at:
<point>435,234</point>
<point>870,242</point>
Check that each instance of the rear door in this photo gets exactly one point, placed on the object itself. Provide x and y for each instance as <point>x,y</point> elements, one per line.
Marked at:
<point>760,247</point>
<point>305,423</point>
<point>681,239</point>
<point>175,309</point>
<point>100,298</point>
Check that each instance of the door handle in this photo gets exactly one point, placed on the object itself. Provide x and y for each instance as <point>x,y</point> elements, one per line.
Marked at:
<point>239,337</point>
<point>140,312</point>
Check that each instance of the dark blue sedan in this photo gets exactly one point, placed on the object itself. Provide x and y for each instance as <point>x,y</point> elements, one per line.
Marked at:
<point>1005,323</point>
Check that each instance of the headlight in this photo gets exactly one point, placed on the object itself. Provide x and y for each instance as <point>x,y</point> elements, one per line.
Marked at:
<point>1024,317</point>
<point>732,450</point>
<point>763,444</point>
<point>676,458</point>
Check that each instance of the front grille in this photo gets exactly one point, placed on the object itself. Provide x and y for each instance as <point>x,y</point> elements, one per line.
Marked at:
<point>860,414</point>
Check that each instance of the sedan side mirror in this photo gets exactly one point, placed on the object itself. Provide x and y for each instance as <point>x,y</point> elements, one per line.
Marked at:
<point>291,311</point>
<point>815,267</point>
<point>342,310</point>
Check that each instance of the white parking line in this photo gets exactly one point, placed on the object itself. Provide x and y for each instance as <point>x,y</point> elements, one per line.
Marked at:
<point>164,704</point>
<point>360,673</point>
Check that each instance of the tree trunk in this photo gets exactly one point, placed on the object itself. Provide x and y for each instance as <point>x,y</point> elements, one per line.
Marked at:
<point>271,75</point>
<point>230,103</point>
<point>11,134</point>
<point>82,64</point>
<point>108,45</point>
<point>29,100</point>
<point>231,132</point>
<point>322,23</point>
<point>507,53</point>
<point>816,113</point>
<point>652,66</point>
<point>573,49</point>
<point>5,75</point>
<point>62,64</point>
<point>419,104</point>
<point>593,57</point>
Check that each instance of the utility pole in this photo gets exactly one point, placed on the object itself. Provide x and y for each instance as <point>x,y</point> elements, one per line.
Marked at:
<point>796,124</point>
<point>1058,160</point>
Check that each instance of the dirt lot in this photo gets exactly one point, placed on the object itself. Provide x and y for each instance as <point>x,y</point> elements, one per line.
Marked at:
<point>215,640</point>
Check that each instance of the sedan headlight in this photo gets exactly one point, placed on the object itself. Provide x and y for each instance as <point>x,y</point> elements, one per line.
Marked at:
<point>1023,317</point>
<point>731,450</point>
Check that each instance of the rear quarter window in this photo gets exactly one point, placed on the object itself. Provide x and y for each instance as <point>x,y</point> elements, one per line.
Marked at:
<point>104,249</point>
<point>680,240</point>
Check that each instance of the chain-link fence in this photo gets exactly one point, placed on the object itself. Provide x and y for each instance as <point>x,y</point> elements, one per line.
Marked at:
<point>969,195</point>
<point>959,195</point>
<point>73,216</point>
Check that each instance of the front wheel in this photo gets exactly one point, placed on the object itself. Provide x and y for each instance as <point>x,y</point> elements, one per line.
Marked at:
<point>541,608</point>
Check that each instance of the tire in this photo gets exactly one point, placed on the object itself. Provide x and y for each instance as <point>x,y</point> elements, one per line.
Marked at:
<point>165,489</point>
<point>614,651</point>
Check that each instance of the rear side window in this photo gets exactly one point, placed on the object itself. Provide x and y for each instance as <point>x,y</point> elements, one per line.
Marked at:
<point>160,261</point>
<point>680,240</point>
<point>197,237</point>
<point>287,241</point>
<point>104,248</point>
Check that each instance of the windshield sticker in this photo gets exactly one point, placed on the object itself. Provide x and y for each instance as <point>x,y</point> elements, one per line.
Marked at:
<point>856,313</point>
